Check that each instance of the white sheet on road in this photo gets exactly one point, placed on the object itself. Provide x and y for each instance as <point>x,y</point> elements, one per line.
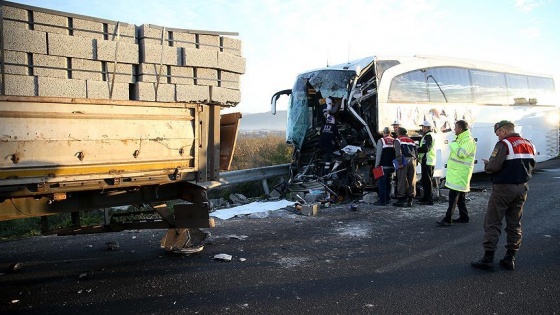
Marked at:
<point>253,207</point>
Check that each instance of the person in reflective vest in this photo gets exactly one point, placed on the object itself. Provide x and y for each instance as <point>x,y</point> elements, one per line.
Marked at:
<point>384,156</point>
<point>406,157</point>
<point>460,166</point>
<point>511,165</point>
<point>427,158</point>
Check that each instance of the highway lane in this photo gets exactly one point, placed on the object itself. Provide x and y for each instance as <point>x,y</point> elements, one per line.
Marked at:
<point>377,260</point>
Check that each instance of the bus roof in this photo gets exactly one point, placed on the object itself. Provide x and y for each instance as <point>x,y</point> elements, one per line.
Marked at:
<point>432,61</point>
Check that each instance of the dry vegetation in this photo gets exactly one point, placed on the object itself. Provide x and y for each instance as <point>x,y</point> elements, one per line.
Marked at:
<point>257,151</point>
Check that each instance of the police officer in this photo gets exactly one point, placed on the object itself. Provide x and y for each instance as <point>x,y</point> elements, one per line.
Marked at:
<point>460,166</point>
<point>427,158</point>
<point>385,154</point>
<point>328,141</point>
<point>511,165</point>
<point>406,157</point>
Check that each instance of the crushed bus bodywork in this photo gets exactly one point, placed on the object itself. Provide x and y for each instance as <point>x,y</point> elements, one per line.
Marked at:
<point>353,88</point>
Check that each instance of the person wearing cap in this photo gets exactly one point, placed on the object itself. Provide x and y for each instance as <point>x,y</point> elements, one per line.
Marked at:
<point>511,164</point>
<point>384,156</point>
<point>406,157</point>
<point>328,140</point>
<point>396,124</point>
<point>427,158</point>
<point>460,166</point>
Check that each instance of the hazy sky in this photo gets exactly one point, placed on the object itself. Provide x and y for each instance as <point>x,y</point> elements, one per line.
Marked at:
<point>282,38</point>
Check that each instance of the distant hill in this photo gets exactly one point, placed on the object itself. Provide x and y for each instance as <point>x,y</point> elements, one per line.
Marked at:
<point>264,121</point>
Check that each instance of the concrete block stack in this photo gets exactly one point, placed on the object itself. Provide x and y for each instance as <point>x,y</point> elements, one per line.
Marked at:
<point>57,54</point>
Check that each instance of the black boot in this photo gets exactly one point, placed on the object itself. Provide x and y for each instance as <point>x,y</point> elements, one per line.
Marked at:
<point>508,261</point>
<point>400,203</point>
<point>486,262</point>
<point>409,202</point>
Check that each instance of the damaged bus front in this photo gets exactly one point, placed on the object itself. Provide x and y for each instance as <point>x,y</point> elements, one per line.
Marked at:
<point>346,92</point>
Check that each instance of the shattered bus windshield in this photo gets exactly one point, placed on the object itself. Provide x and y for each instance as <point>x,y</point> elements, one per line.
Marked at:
<point>307,92</point>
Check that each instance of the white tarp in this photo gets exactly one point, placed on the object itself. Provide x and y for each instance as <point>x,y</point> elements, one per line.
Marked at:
<point>253,207</point>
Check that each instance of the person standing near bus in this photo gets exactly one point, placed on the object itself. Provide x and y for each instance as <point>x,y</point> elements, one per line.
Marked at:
<point>396,125</point>
<point>511,165</point>
<point>328,141</point>
<point>406,157</point>
<point>427,158</point>
<point>384,156</point>
<point>460,166</point>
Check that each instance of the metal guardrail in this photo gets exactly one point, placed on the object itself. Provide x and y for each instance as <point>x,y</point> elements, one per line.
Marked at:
<point>254,174</point>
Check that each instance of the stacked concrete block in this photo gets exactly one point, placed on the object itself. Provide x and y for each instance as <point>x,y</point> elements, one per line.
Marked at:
<point>230,80</point>
<point>55,87</point>
<point>231,63</point>
<point>111,31</point>
<point>20,85</point>
<point>200,58</point>
<point>219,95</point>
<point>167,55</point>
<point>209,42</point>
<point>58,54</point>
<point>125,73</point>
<point>206,76</point>
<point>50,66</point>
<point>182,75</point>
<point>184,40</point>
<point>84,69</point>
<point>71,46</point>
<point>13,13</point>
<point>120,51</point>
<point>231,45</point>
<point>152,91</point>
<point>51,23</point>
<point>20,39</point>
<point>15,62</point>
<point>192,93</point>
<point>102,90</point>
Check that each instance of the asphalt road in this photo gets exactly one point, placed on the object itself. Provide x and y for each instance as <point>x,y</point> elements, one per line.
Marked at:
<point>377,260</point>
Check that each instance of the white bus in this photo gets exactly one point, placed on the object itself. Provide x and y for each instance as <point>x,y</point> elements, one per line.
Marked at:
<point>373,92</point>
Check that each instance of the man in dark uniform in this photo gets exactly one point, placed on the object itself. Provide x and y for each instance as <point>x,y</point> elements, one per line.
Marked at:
<point>328,141</point>
<point>511,165</point>
<point>406,155</point>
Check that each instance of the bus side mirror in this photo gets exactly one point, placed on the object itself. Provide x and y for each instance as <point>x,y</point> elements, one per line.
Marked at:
<point>275,98</point>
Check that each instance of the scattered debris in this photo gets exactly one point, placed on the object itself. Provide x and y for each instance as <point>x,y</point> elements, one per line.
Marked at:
<point>89,246</point>
<point>112,245</point>
<point>242,259</point>
<point>15,301</point>
<point>238,199</point>
<point>238,237</point>
<point>370,198</point>
<point>83,276</point>
<point>184,240</point>
<point>15,267</point>
<point>223,257</point>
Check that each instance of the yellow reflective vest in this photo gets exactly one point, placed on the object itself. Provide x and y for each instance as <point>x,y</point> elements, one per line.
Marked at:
<point>431,154</point>
<point>461,162</point>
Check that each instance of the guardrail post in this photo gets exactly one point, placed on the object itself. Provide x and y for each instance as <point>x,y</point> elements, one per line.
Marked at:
<point>265,187</point>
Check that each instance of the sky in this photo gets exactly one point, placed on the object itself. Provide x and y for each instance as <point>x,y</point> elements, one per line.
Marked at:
<point>282,38</point>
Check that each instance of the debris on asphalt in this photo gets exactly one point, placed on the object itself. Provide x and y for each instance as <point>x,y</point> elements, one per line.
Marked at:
<point>112,245</point>
<point>223,257</point>
<point>15,267</point>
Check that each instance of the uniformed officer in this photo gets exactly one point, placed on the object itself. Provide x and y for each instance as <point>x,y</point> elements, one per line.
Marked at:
<point>460,166</point>
<point>328,141</point>
<point>385,154</point>
<point>427,158</point>
<point>406,157</point>
<point>511,165</point>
